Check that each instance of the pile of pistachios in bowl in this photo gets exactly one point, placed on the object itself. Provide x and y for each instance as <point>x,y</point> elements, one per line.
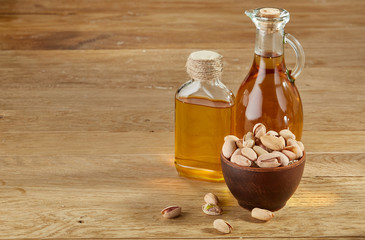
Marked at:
<point>263,149</point>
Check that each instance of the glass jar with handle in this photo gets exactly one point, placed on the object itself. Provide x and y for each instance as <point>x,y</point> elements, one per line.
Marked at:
<point>268,93</point>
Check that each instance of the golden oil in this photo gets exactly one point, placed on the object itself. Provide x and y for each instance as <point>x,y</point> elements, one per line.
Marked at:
<point>200,127</point>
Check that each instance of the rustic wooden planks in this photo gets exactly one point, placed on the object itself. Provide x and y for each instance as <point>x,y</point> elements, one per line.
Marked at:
<point>109,196</point>
<point>87,118</point>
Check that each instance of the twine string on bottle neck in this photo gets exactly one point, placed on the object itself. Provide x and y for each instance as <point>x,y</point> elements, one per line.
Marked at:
<point>204,65</point>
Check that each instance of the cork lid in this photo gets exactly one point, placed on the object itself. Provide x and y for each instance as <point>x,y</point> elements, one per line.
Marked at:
<point>204,65</point>
<point>269,12</point>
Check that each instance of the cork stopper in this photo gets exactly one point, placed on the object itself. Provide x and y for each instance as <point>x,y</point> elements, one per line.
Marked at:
<point>269,12</point>
<point>204,65</point>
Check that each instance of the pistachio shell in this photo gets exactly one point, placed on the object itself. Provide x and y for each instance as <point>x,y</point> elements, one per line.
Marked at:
<point>211,198</point>
<point>268,164</point>
<point>239,143</point>
<point>241,160</point>
<point>287,134</point>
<point>249,143</point>
<point>262,214</point>
<point>268,160</point>
<point>231,137</point>
<point>171,211</point>
<point>259,130</point>
<point>297,150</point>
<point>259,150</point>
<point>283,159</point>
<point>229,147</point>
<point>249,136</point>
<point>236,152</point>
<point>212,209</point>
<point>301,145</point>
<point>288,151</point>
<point>272,142</point>
<point>249,153</point>
<point>222,226</point>
<point>282,140</point>
<point>273,133</point>
<point>268,156</point>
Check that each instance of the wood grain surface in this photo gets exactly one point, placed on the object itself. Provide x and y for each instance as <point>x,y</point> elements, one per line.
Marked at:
<point>87,118</point>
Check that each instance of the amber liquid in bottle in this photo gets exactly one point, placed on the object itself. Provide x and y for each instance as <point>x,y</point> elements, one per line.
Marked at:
<point>201,125</point>
<point>268,96</point>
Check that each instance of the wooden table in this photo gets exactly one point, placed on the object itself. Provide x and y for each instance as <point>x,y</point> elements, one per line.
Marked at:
<point>87,117</point>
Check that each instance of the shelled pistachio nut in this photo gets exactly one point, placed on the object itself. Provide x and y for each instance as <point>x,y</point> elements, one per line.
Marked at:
<point>171,212</point>
<point>222,226</point>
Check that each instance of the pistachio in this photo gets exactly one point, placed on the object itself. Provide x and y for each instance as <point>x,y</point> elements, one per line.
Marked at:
<point>301,145</point>
<point>211,198</point>
<point>222,226</point>
<point>241,160</point>
<point>283,159</point>
<point>237,152</point>
<point>229,146</point>
<point>297,150</point>
<point>268,160</point>
<point>249,143</point>
<point>263,147</point>
<point>273,133</point>
<point>259,130</point>
<point>249,153</point>
<point>212,209</point>
<point>171,211</point>
<point>272,142</point>
<point>239,143</point>
<point>248,136</point>
<point>287,134</point>
<point>259,150</point>
<point>282,140</point>
<point>288,151</point>
<point>231,137</point>
<point>272,163</point>
<point>262,214</point>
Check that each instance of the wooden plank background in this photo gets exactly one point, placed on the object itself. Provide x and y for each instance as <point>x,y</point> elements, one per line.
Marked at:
<point>87,117</point>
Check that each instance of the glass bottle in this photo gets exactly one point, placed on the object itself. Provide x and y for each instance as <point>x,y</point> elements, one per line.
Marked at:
<point>268,93</point>
<point>203,117</point>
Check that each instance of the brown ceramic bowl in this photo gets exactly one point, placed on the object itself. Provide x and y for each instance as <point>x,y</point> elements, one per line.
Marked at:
<point>268,188</point>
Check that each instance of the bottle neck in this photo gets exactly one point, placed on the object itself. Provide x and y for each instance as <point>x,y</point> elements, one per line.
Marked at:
<point>212,81</point>
<point>269,43</point>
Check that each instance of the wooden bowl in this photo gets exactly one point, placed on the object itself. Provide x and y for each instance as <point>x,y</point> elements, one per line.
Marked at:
<point>268,188</point>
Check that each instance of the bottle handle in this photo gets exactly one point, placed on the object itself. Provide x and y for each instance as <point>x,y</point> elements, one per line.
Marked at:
<point>299,54</point>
